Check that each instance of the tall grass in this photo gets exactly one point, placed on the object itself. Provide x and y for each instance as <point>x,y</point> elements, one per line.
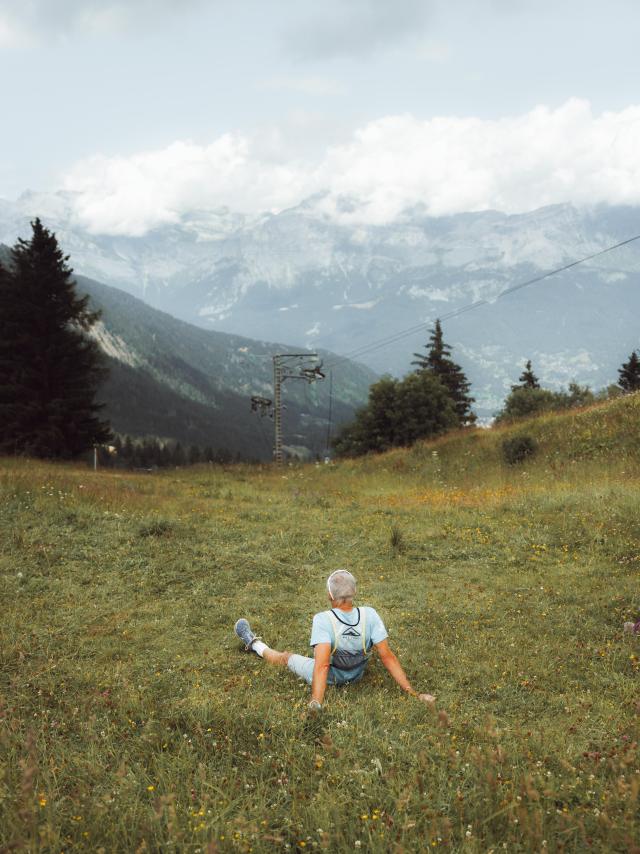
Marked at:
<point>130,720</point>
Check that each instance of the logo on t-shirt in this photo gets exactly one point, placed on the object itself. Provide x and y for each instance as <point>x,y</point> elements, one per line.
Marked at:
<point>351,633</point>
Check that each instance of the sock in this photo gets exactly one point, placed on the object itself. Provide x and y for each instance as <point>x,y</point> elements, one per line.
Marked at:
<point>259,647</point>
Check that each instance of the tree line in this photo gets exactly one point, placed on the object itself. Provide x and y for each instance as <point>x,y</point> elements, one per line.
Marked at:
<point>435,398</point>
<point>51,369</point>
<point>151,453</point>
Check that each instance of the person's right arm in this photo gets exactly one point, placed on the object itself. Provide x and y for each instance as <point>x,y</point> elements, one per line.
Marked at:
<point>321,660</point>
<point>390,661</point>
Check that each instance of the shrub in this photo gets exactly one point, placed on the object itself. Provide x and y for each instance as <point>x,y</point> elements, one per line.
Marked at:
<point>516,449</point>
<point>157,528</point>
<point>396,539</point>
<point>527,402</point>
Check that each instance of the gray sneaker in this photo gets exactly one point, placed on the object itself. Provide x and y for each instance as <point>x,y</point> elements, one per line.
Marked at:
<point>243,630</point>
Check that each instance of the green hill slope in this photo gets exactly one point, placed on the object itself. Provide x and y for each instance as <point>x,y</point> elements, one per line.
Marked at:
<point>603,435</point>
<point>132,720</point>
<point>176,381</point>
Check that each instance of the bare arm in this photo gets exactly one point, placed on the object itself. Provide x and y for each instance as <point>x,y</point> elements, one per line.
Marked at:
<point>321,655</point>
<point>390,661</point>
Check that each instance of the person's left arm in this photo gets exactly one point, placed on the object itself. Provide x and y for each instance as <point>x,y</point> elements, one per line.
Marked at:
<point>390,661</point>
<point>321,659</point>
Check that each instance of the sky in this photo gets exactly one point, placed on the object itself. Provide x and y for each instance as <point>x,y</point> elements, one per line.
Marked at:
<point>146,109</point>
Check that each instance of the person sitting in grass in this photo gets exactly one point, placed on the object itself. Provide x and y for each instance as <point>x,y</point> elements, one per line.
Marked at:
<point>342,639</point>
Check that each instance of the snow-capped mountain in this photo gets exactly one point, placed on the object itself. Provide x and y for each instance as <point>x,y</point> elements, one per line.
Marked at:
<point>320,279</point>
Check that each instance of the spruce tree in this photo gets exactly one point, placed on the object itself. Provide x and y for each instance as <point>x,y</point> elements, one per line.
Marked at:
<point>438,360</point>
<point>527,378</point>
<point>630,374</point>
<point>127,448</point>
<point>50,369</point>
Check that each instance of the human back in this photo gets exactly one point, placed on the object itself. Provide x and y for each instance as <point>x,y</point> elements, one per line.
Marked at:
<point>351,634</point>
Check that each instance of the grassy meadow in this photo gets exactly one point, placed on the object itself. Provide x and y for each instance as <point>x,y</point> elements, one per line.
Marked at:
<point>130,720</point>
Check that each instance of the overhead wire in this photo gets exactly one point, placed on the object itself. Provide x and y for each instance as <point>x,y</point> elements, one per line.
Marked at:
<point>412,330</point>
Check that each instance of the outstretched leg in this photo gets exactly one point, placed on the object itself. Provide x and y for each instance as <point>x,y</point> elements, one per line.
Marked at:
<point>301,665</point>
<point>273,656</point>
<point>254,644</point>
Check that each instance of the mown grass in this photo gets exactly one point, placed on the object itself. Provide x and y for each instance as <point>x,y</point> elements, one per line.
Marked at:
<point>130,720</point>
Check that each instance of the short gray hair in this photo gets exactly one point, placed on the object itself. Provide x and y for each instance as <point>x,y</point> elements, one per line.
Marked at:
<point>341,585</point>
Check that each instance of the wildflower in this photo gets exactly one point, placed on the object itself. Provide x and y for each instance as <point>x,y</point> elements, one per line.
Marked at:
<point>42,800</point>
<point>150,788</point>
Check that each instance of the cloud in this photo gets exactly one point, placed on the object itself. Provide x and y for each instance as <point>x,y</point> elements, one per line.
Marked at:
<point>444,165</point>
<point>22,20</point>
<point>354,28</point>
<point>131,195</point>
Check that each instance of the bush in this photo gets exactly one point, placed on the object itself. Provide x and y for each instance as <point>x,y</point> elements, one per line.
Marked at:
<point>157,528</point>
<point>398,413</point>
<point>517,449</point>
<point>527,402</point>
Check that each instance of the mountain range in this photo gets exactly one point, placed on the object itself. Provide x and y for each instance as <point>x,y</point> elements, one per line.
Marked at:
<point>170,379</point>
<point>313,278</point>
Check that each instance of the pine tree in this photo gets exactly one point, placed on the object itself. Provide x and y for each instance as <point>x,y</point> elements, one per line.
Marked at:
<point>438,361</point>
<point>527,378</point>
<point>164,457</point>
<point>50,368</point>
<point>127,448</point>
<point>630,374</point>
<point>178,457</point>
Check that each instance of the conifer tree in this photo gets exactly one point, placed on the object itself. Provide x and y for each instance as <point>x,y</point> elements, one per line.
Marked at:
<point>50,369</point>
<point>438,360</point>
<point>178,457</point>
<point>527,378</point>
<point>630,374</point>
<point>127,448</point>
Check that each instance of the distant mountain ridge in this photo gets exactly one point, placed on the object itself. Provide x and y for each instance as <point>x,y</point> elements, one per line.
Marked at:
<point>176,381</point>
<point>302,275</point>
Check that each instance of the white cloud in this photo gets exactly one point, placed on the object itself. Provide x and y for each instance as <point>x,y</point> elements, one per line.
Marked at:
<point>131,195</point>
<point>445,165</point>
<point>21,20</point>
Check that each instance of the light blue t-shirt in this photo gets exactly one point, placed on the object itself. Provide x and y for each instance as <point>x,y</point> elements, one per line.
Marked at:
<point>350,624</point>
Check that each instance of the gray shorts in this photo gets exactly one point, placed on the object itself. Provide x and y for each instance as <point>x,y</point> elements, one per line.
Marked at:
<point>302,666</point>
